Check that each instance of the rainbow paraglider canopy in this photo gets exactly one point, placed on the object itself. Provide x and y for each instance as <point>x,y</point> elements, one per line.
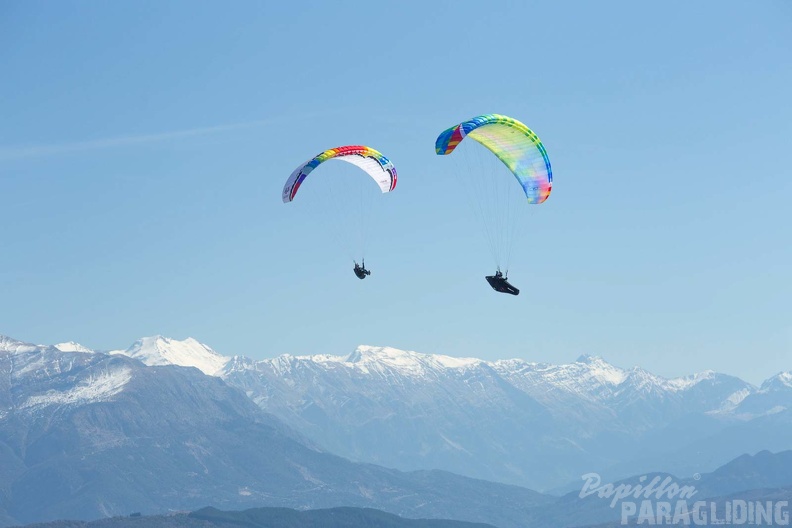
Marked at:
<point>371,161</point>
<point>513,143</point>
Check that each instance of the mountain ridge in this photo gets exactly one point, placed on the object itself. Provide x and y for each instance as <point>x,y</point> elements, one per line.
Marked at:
<point>95,435</point>
<point>532,424</point>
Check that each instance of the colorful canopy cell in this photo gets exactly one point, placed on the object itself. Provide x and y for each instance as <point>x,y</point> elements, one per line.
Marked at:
<point>513,143</point>
<point>374,163</point>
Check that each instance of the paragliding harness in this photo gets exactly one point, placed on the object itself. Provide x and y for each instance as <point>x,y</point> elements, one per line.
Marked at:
<point>360,270</point>
<point>501,284</point>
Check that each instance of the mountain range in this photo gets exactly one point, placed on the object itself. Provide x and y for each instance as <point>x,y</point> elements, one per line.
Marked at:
<point>86,435</point>
<point>763,478</point>
<point>168,424</point>
<point>530,424</point>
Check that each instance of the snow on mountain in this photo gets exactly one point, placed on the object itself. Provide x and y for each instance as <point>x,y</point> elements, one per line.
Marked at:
<point>732,401</point>
<point>686,382</point>
<point>91,435</point>
<point>371,359</point>
<point>158,350</point>
<point>42,379</point>
<point>71,346</point>
<point>589,386</point>
<point>589,376</point>
<point>772,397</point>
<point>101,387</point>
<point>514,421</point>
<point>12,346</point>
<point>779,382</point>
<point>509,420</point>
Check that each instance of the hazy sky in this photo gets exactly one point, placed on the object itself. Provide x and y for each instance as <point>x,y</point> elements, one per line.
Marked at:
<point>143,147</point>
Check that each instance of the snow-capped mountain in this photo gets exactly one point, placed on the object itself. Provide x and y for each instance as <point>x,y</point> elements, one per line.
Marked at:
<point>87,435</point>
<point>514,421</point>
<point>772,397</point>
<point>158,350</point>
<point>10,346</point>
<point>71,346</point>
<point>778,383</point>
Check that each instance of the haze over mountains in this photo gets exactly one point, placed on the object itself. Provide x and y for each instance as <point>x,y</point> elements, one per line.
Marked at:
<point>765,478</point>
<point>87,434</point>
<point>343,517</point>
<point>513,421</point>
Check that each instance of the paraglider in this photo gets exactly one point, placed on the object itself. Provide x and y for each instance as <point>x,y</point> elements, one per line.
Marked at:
<point>360,271</point>
<point>501,284</point>
<point>523,154</point>
<point>373,163</point>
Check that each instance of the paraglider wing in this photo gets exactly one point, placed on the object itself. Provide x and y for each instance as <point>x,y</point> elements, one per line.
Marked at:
<point>372,162</point>
<point>513,143</point>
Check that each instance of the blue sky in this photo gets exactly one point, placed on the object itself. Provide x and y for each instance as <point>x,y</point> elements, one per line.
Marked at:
<point>143,146</point>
